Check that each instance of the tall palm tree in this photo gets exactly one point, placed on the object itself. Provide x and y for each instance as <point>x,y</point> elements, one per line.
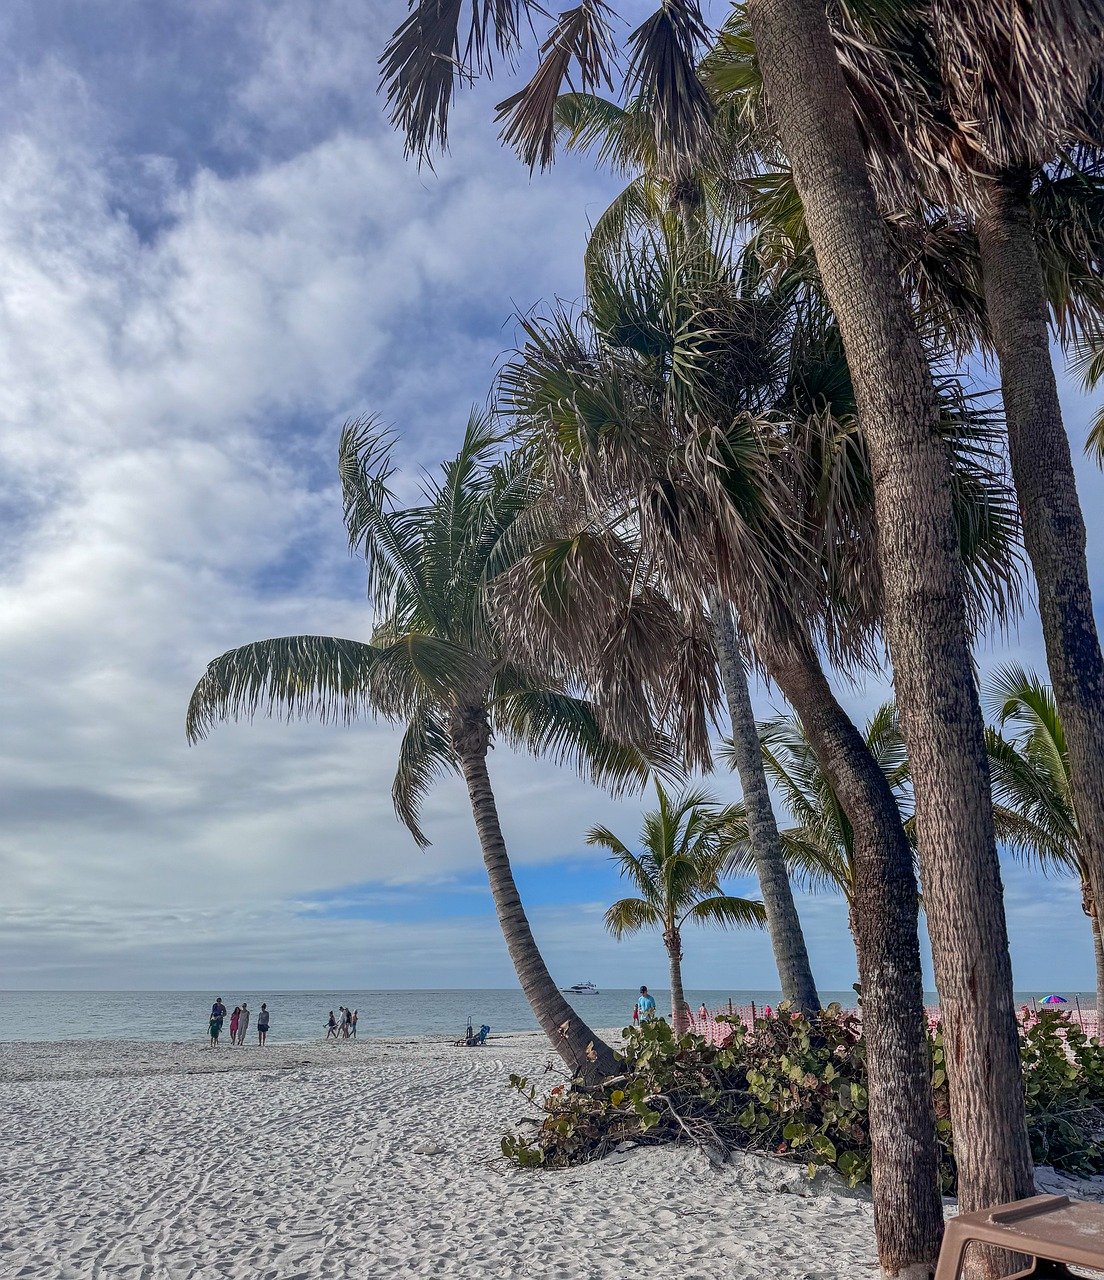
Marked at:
<point>926,619</point>
<point>1032,790</point>
<point>436,662</point>
<point>677,869</point>
<point>820,848</point>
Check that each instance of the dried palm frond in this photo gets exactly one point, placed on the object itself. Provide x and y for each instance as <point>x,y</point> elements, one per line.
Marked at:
<point>530,119</point>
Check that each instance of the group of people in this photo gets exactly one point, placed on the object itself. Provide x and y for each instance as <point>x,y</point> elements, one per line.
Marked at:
<point>239,1023</point>
<point>343,1027</point>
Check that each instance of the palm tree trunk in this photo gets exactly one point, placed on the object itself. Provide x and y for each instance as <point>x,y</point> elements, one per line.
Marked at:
<point>673,942</point>
<point>925,616</point>
<point>579,1047</point>
<point>908,1211</point>
<point>791,956</point>
<point>1042,467</point>
<point>1098,951</point>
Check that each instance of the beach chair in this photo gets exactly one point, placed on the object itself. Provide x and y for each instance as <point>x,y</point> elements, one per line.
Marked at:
<point>1052,1230</point>
<point>472,1038</point>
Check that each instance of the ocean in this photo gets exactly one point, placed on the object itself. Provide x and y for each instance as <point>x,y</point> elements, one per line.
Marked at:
<point>302,1015</point>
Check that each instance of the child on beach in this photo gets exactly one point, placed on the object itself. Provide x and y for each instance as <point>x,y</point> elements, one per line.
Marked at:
<point>213,1030</point>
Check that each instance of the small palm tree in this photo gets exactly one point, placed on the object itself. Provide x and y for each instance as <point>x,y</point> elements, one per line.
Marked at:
<point>820,847</point>
<point>1032,793</point>
<point>437,663</point>
<point>682,856</point>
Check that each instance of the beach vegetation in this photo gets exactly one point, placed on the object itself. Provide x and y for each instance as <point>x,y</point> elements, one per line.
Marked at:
<point>798,1089</point>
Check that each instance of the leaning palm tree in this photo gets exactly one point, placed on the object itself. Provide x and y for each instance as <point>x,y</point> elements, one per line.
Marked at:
<point>1032,789</point>
<point>681,855</point>
<point>820,848</point>
<point>436,663</point>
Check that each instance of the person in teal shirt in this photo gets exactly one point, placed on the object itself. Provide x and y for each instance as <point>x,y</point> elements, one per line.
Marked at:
<point>645,1005</point>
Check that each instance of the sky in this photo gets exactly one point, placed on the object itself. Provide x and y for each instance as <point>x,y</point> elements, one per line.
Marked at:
<point>212,254</point>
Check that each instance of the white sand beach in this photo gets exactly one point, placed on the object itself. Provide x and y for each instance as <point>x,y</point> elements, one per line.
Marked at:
<point>134,1161</point>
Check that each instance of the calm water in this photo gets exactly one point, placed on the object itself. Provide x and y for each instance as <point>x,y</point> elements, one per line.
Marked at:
<point>301,1015</point>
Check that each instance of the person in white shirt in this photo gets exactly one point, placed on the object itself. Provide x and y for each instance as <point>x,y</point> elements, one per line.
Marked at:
<point>243,1022</point>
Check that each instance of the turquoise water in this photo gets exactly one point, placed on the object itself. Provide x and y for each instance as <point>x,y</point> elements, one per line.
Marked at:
<point>301,1015</point>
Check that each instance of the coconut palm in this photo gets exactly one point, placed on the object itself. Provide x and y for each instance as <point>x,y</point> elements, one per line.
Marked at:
<point>820,848</point>
<point>437,664</point>
<point>1032,791</point>
<point>681,853</point>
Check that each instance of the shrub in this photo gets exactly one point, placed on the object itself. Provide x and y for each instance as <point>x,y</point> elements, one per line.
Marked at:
<point>796,1088</point>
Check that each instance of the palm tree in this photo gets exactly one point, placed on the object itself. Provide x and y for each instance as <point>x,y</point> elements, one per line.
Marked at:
<point>820,848</point>
<point>926,621</point>
<point>436,663</point>
<point>682,854</point>
<point>1032,789</point>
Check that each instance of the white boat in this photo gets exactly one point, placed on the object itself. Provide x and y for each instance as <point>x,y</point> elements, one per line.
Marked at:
<point>582,989</point>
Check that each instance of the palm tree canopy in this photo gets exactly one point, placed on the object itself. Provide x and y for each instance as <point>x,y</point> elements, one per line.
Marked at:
<point>819,847</point>
<point>1029,764</point>
<point>677,870</point>
<point>436,660</point>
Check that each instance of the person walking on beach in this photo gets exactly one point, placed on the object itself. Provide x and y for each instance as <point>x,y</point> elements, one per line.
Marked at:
<point>218,1010</point>
<point>352,1024</point>
<point>645,1005</point>
<point>262,1024</point>
<point>331,1027</point>
<point>243,1022</point>
<point>235,1017</point>
<point>343,1022</point>
<point>213,1029</point>
<point>703,1012</point>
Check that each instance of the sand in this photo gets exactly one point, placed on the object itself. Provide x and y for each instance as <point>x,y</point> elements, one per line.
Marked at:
<point>377,1159</point>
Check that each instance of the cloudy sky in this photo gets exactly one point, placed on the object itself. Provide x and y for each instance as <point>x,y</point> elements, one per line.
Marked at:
<point>212,253</point>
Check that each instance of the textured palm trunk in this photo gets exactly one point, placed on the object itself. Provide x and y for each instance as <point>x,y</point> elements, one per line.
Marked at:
<point>1042,467</point>
<point>1098,952</point>
<point>925,621</point>
<point>791,956</point>
<point>672,940</point>
<point>576,1043</point>
<point>908,1210</point>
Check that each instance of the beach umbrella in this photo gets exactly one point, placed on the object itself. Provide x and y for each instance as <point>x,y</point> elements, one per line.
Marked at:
<point>1056,1000</point>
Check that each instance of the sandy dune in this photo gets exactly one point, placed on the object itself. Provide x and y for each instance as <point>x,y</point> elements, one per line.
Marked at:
<point>302,1162</point>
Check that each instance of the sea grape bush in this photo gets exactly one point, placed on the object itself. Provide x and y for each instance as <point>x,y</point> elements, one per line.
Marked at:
<point>796,1087</point>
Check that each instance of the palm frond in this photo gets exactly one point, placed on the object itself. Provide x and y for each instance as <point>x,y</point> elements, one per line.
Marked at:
<point>427,54</point>
<point>425,755</point>
<point>630,915</point>
<point>728,912</point>
<point>581,36</point>
<point>297,677</point>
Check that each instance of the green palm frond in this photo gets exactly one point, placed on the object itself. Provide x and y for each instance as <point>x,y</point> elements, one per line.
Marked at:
<point>728,913</point>
<point>630,915</point>
<point>296,677</point>
<point>425,755</point>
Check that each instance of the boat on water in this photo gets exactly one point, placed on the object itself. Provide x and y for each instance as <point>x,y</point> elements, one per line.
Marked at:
<point>581,989</point>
